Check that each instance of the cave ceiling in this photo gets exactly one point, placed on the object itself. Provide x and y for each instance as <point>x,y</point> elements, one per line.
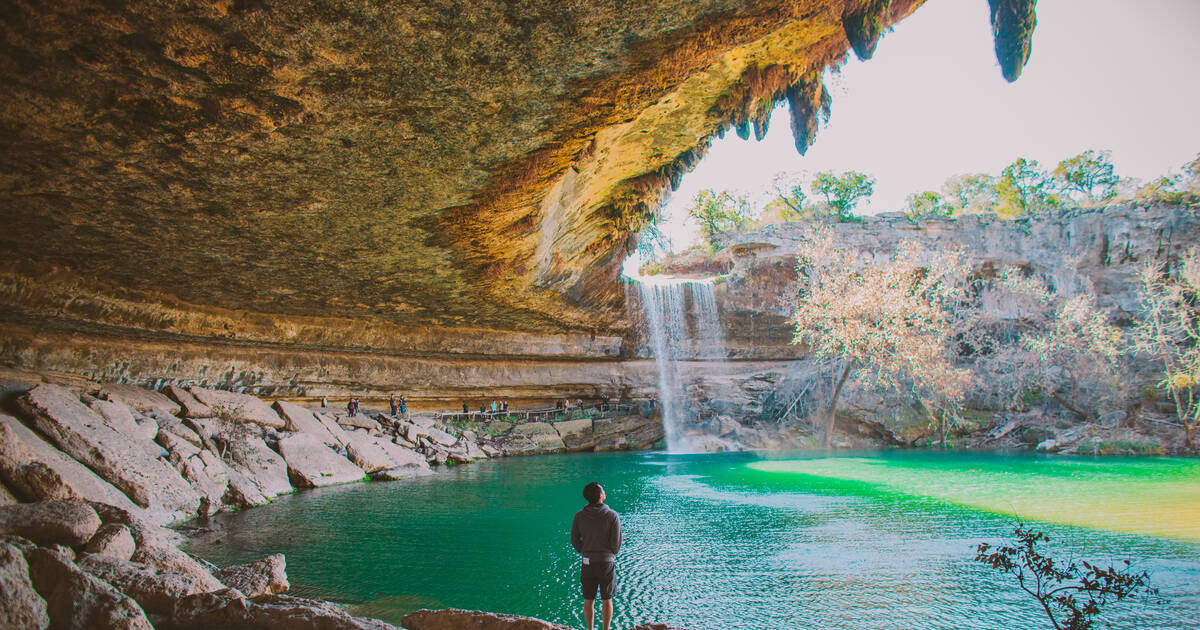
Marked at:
<point>481,164</point>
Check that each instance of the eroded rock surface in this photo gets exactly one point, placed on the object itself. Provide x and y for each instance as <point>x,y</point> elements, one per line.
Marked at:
<point>264,577</point>
<point>311,464</point>
<point>457,619</point>
<point>21,608</point>
<point>70,523</point>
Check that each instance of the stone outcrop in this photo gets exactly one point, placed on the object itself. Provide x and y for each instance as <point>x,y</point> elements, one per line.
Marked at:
<point>264,577</point>
<point>300,420</point>
<point>113,540</point>
<point>70,523</point>
<point>21,608</point>
<point>190,407</point>
<point>238,407</point>
<point>456,619</point>
<point>155,590</point>
<point>75,600</point>
<point>139,398</point>
<point>38,471</point>
<point>311,464</point>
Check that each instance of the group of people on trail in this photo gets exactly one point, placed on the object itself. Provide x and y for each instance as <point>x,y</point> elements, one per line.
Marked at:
<point>565,404</point>
<point>352,407</point>
<point>399,406</point>
<point>496,407</point>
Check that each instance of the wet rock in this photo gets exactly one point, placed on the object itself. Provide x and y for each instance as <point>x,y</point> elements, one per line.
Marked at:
<point>300,420</point>
<point>113,540</point>
<point>139,398</point>
<point>21,608</point>
<point>145,532</point>
<point>36,471</point>
<point>363,451</point>
<point>189,405</point>
<point>154,589</point>
<point>264,577</point>
<point>171,559</point>
<point>456,619</point>
<point>241,492</point>
<point>228,609</point>
<point>75,600</point>
<point>69,523</point>
<point>576,435</point>
<point>79,432</point>
<point>441,437</point>
<point>239,407</point>
<point>403,472</point>
<point>311,464</point>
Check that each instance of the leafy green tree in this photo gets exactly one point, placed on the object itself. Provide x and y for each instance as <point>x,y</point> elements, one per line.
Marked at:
<point>719,211</point>
<point>843,192</point>
<point>1024,188</point>
<point>927,204</point>
<point>970,193</point>
<point>1090,173</point>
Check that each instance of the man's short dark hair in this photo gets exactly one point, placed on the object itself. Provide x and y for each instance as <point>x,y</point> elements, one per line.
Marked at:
<point>591,492</point>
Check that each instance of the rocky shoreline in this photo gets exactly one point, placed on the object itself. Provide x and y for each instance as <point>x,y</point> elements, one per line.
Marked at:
<point>91,475</point>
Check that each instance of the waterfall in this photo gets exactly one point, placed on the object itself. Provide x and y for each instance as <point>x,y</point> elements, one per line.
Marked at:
<point>672,340</point>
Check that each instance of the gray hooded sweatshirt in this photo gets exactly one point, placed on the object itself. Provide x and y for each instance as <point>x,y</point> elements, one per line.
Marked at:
<point>596,533</point>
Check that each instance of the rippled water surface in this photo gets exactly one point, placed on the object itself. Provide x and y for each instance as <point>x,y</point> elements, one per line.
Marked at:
<point>733,540</point>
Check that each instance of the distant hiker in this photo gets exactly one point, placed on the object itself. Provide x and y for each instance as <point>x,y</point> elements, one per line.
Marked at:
<point>350,407</point>
<point>558,405</point>
<point>596,535</point>
<point>604,402</point>
<point>466,409</point>
<point>483,408</point>
<point>402,405</point>
<point>579,403</point>
<point>495,407</point>
<point>504,407</point>
<point>392,404</point>
<point>324,402</point>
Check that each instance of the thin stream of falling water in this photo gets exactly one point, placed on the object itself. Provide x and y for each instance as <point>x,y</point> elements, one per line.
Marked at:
<point>670,337</point>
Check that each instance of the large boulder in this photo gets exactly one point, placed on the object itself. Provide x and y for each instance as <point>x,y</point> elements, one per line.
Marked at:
<point>311,464</point>
<point>189,405</point>
<point>239,407</point>
<point>145,531</point>
<point>139,398</point>
<point>538,437</point>
<point>78,431</point>
<point>359,421</point>
<point>399,455</point>
<point>250,455</point>
<point>300,420</point>
<point>576,434</point>
<point>154,589</point>
<point>21,608</point>
<point>440,437</point>
<point>230,610</point>
<point>114,540</point>
<point>264,577</point>
<point>456,619</point>
<point>172,560</point>
<point>76,600</point>
<point>120,419</point>
<point>70,523</point>
<point>36,471</point>
<point>365,452</point>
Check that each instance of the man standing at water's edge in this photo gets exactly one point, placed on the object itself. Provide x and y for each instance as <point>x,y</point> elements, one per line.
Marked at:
<point>596,535</point>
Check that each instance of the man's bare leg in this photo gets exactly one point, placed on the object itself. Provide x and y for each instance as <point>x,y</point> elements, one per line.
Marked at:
<point>605,613</point>
<point>589,612</point>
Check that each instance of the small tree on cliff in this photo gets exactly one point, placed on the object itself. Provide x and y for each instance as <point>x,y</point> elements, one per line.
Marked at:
<point>893,322</point>
<point>1090,174</point>
<point>970,193</point>
<point>843,192</point>
<point>719,211</point>
<point>1169,331</point>
<point>1023,189</point>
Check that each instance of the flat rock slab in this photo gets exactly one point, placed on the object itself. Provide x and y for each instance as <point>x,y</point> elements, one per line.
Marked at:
<point>153,589</point>
<point>76,600</point>
<point>314,465</point>
<point>365,453</point>
<point>456,619</point>
<point>230,610</point>
<point>359,421</point>
<point>139,398</point>
<point>190,406</point>
<point>20,448</point>
<point>21,608</point>
<point>576,434</point>
<point>75,429</point>
<point>300,420</point>
<point>399,455</point>
<point>70,523</point>
<point>172,560</point>
<point>235,406</point>
<point>251,456</point>
<point>120,418</point>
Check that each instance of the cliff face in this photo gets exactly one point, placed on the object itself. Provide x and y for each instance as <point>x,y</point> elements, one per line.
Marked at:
<point>475,164</point>
<point>1100,252</point>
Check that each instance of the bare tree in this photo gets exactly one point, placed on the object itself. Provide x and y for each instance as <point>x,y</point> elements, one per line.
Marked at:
<point>1169,331</point>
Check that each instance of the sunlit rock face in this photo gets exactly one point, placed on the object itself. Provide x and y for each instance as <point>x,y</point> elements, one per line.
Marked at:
<point>475,164</point>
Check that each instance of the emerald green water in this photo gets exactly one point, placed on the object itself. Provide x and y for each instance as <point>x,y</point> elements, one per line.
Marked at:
<point>878,540</point>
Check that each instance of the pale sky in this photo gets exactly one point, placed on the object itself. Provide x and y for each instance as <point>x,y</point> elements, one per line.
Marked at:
<point>1118,75</point>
